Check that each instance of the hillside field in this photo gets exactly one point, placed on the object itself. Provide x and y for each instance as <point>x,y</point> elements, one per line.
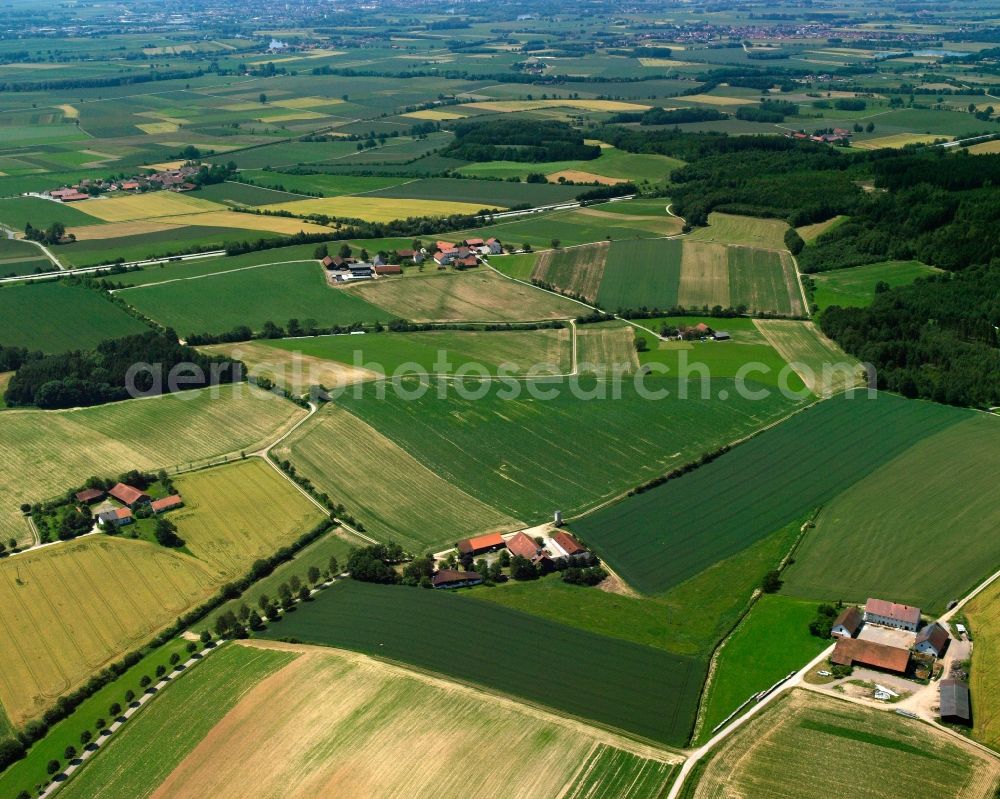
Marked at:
<point>218,303</point>
<point>855,287</point>
<point>797,749</point>
<point>907,492</point>
<point>578,270</point>
<point>983,614</point>
<point>376,713</point>
<point>56,318</point>
<point>747,231</point>
<point>392,493</point>
<point>641,274</point>
<point>95,599</point>
<point>774,478</point>
<point>820,363</point>
<point>537,451</point>
<point>644,691</point>
<point>237,513</point>
<point>162,735</point>
<point>471,296</point>
<point>380,209</point>
<point>48,452</point>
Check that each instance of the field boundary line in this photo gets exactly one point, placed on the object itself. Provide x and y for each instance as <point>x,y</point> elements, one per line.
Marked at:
<point>212,274</point>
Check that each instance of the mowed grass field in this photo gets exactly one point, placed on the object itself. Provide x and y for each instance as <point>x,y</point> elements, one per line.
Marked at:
<point>806,745</point>
<point>277,293</point>
<point>907,494</point>
<point>292,370</point>
<point>440,351</point>
<point>821,364</point>
<point>56,318</point>
<point>770,642</point>
<point>140,756</point>
<point>531,450</point>
<point>472,296</point>
<point>75,607</point>
<point>48,452</point>
<point>747,231</point>
<point>855,287</point>
<point>983,614</point>
<point>764,280</point>
<point>323,721</point>
<point>643,691</point>
<point>578,270</point>
<point>237,513</point>
<point>659,538</point>
<point>392,493</point>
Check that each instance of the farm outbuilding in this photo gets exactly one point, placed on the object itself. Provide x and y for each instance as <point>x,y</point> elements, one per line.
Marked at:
<point>167,503</point>
<point>856,652</point>
<point>568,544</point>
<point>954,706</point>
<point>524,545</point>
<point>452,578</point>
<point>892,614</point>
<point>127,495</point>
<point>847,623</point>
<point>115,518</point>
<point>932,640</point>
<point>89,496</point>
<point>480,544</point>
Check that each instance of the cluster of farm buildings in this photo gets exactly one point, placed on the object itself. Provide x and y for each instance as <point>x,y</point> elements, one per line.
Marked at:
<point>116,505</point>
<point>837,136</point>
<point>560,544</point>
<point>464,255</point>
<point>169,179</point>
<point>858,635</point>
<point>699,332</point>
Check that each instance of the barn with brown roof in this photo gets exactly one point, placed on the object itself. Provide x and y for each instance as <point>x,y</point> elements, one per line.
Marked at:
<point>524,545</point>
<point>89,496</point>
<point>167,503</point>
<point>128,495</point>
<point>857,652</point>
<point>847,623</point>
<point>479,544</point>
<point>452,578</point>
<point>568,544</point>
<point>932,640</point>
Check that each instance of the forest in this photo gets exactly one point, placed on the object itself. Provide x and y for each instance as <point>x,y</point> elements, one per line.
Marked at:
<point>519,140</point>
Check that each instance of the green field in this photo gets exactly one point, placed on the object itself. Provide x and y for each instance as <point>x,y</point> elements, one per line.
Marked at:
<point>905,494</point>
<point>641,690</point>
<point>326,185</point>
<point>758,487</point>
<point>530,454</point>
<point>55,317</point>
<point>770,642</point>
<point>385,353</point>
<point>218,303</point>
<point>805,746</point>
<point>577,270</point>
<point>516,266</point>
<point>19,211</point>
<point>747,231</point>
<point>487,192</point>
<point>22,258</point>
<point>764,281</point>
<point>641,274</point>
<point>394,495</point>
<point>231,193</point>
<point>611,773</point>
<point>855,287</point>
<point>161,735</point>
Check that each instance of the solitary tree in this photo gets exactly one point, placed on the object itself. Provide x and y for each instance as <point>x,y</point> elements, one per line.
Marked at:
<point>263,98</point>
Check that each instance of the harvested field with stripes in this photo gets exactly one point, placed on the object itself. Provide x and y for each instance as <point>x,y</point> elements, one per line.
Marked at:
<point>749,231</point>
<point>704,278</point>
<point>578,270</point>
<point>73,608</point>
<point>823,366</point>
<point>764,280</point>
<point>336,723</point>
<point>601,347</point>
<point>151,205</point>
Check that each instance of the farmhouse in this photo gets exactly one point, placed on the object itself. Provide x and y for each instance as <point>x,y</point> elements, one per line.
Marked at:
<point>495,246</point>
<point>847,623</point>
<point>167,503</point>
<point>566,545</point>
<point>467,262</point>
<point>891,614</point>
<point>932,640</point>
<point>524,545</point>
<point>480,544</point>
<point>445,257</point>
<point>854,651</point>
<point>89,496</point>
<point>328,262</point>
<point>452,578</point>
<point>115,518</point>
<point>954,705</point>
<point>127,495</point>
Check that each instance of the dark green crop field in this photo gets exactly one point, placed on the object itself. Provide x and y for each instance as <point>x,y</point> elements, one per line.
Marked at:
<point>640,274</point>
<point>658,539</point>
<point>532,454</point>
<point>16,212</point>
<point>644,691</point>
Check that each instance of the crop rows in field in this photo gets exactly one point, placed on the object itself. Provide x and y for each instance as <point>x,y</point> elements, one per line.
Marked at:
<point>143,754</point>
<point>75,607</point>
<point>567,449</point>
<point>983,614</point>
<point>764,280</point>
<point>659,538</point>
<point>909,495</point>
<point>56,318</point>
<point>47,452</point>
<point>578,270</point>
<point>644,691</point>
<point>611,773</point>
<point>821,364</point>
<point>641,273</point>
<point>481,193</point>
<point>391,493</point>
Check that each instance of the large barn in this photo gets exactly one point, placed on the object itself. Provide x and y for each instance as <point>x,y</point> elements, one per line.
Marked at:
<point>891,614</point>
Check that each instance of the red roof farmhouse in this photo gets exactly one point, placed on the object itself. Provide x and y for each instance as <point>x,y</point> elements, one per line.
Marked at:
<point>167,503</point>
<point>855,651</point>
<point>568,544</point>
<point>480,544</point>
<point>128,495</point>
<point>524,545</point>
<point>891,614</point>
